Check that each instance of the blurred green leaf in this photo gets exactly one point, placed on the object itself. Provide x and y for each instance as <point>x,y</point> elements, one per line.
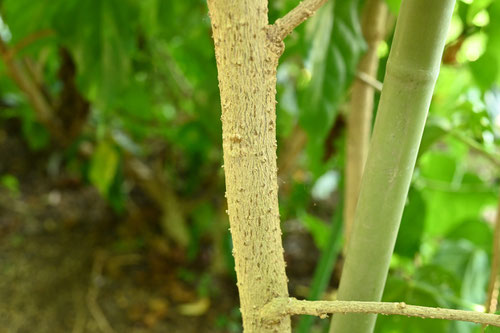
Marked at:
<point>336,45</point>
<point>486,69</point>
<point>400,290</point>
<point>492,329</point>
<point>11,183</point>
<point>475,231</point>
<point>103,167</point>
<point>317,228</point>
<point>101,38</point>
<point>447,208</point>
<point>394,6</point>
<point>412,225</point>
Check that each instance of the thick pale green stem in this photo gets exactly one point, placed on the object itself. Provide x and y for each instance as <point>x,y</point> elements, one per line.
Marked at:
<point>360,116</point>
<point>412,70</point>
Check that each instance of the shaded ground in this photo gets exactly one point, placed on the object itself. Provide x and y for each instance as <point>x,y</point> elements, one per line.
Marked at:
<point>68,263</point>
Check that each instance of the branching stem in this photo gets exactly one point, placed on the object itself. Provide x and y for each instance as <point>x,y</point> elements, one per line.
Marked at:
<point>285,25</point>
<point>290,306</point>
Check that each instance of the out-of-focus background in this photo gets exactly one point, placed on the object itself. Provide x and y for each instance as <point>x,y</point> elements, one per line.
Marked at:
<point>112,208</point>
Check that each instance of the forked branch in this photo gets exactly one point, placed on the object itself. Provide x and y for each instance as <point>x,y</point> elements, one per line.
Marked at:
<point>290,306</point>
<point>285,25</point>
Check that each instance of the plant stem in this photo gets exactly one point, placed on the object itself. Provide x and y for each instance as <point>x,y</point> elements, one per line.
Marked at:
<point>412,70</point>
<point>323,271</point>
<point>42,107</point>
<point>247,50</point>
<point>291,306</point>
<point>492,157</point>
<point>360,117</point>
<point>492,302</point>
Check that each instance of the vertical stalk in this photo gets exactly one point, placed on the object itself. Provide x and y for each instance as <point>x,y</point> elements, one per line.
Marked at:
<point>360,117</point>
<point>246,63</point>
<point>411,74</point>
<point>492,302</point>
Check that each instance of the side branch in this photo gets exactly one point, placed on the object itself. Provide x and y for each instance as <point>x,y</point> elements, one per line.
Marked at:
<point>290,306</point>
<point>492,302</point>
<point>284,26</point>
<point>42,106</point>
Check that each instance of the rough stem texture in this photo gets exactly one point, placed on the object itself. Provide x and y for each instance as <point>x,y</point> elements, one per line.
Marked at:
<point>290,306</point>
<point>360,116</point>
<point>247,51</point>
<point>411,74</point>
<point>285,25</point>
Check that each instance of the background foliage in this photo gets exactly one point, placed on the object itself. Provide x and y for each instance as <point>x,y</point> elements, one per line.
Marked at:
<point>143,98</point>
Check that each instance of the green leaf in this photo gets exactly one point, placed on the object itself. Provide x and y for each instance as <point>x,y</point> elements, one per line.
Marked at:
<point>435,128</point>
<point>486,69</point>
<point>438,166</point>
<point>470,265</point>
<point>11,183</point>
<point>492,329</point>
<point>475,278</point>
<point>412,225</point>
<point>318,229</point>
<point>447,208</point>
<point>477,232</point>
<point>336,44</point>
<point>103,166</point>
<point>401,290</point>
<point>101,37</point>
<point>26,17</point>
<point>394,6</point>
<point>37,136</point>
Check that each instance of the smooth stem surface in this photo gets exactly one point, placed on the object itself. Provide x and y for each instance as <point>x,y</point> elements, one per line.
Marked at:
<point>491,303</point>
<point>360,116</point>
<point>411,74</point>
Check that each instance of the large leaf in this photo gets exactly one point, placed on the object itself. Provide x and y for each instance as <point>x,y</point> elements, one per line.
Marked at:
<point>452,196</point>
<point>335,46</point>
<point>26,17</point>
<point>101,36</point>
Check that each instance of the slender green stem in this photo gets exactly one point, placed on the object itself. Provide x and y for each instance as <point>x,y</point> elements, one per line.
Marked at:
<point>324,269</point>
<point>412,70</point>
<point>492,157</point>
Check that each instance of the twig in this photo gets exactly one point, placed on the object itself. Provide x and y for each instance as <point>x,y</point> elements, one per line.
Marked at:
<point>30,39</point>
<point>284,26</point>
<point>370,81</point>
<point>492,302</point>
<point>93,293</point>
<point>80,314</point>
<point>280,307</point>
<point>494,158</point>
